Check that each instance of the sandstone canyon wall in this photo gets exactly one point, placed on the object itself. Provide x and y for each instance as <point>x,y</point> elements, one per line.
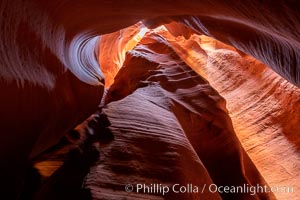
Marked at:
<point>256,98</point>
<point>52,78</point>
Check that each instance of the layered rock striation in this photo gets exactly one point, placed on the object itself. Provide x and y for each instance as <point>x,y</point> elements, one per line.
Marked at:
<point>51,79</point>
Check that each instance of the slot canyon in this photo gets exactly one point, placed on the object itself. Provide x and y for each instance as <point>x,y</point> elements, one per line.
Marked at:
<point>153,100</point>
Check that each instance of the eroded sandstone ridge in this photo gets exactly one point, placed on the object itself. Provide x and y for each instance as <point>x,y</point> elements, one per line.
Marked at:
<point>191,118</point>
<point>166,123</point>
<point>55,57</point>
<point>263,106</point>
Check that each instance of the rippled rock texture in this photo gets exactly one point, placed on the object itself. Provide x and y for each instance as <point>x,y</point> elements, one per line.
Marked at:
<point>167,122</point>
<point>55,56</point>
<point>263,106</point>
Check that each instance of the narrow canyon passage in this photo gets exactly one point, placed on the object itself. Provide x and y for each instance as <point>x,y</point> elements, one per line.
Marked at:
<point>139,99</point>
<point>263,106</point>
<point>166,122</point>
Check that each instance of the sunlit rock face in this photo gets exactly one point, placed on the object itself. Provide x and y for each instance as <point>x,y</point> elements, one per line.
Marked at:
<point>113,47</point>
<point>263,106</point>
<point>54,56</point>
<point>268,31</point>
<point>167,99</point>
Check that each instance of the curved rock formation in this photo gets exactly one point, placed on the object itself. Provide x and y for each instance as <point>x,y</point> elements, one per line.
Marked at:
<point>165,81</point>
<point>113,47</point>
<point>263,106</point>
<point>41,99</point>
<point>51,79</point>
<point>166,123</point>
